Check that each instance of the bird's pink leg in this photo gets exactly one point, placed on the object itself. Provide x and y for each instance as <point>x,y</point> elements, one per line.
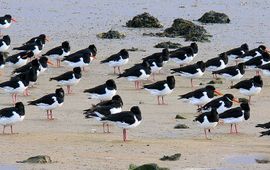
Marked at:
<point>205,134</point>
<point>114,72</point>
<point>108,128</point>
<point>163,102</point>
<point>249,99</point>
<point>158,100</point>
<point>231,131</point>
<point>48,115</point>
<point>103,125</point>
<point>119,70</point>
<point>191,81</point>
<point>4,129</point>
<point>51,115</point>
<point>11,130</point>
<point>124,135</point>
<point>235,126</point>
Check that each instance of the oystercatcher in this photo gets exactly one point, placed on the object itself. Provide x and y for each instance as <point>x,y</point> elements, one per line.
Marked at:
<point>235,116</point>
<point>164,55</point>
<point>252,53</point>
<point>19,59</point>
<point>115,98</point>
<point>42,38</point>
<point>91,51</point>
<point>217,63</point>
<point>255,62</point>
<point>161,88</point>
<point>5,21</point>
<point>192,45</point>
<point>236,52</point>
<point>58,53</point>
<point>182,57</point>
<point>117,60</point>
<point>2,63</point>
<point>50,102</point>
<point>35,47</point>
<point>191,71</point>
<point>24,68</point>
<point>11,115</point>
<point>125,119</point>
<point>4,43</point>
<point>79,60</point>
<point>137,73</point>
<point>265,69</point>
<point>103,92</point>
<point>233,73</point>
<point>207,120</point>
<point>249,87</point>
<point>155,66</point>
<point>69,78</point>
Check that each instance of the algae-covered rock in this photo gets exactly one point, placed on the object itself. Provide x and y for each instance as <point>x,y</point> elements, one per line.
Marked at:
<point>40,159</point>
<point>181,126</point>
<point>173,157</point>
<point>214,17</point>
<point>144,20</point>
<point>111,34</point>
<point>179,117</point>
<point>243,100</point>
<point>151,166</point>
<point>216,81</point>
<point>168,44</point>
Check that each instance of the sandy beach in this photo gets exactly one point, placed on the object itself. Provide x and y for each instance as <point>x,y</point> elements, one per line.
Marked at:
<point>69,139</point>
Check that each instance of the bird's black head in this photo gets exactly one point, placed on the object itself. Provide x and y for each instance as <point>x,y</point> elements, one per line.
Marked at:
<point>258,80</point>
<point>241,66</point>
<point>60,93</point>
<point>136,110</point>
<point>146,64</point>
<point>224,57</point>
<point>20,107</point>
<point>86,58</point>
<point>42,37</point>
<point>35,63</point>
<point>29,54</point>
<point>159,61</point>
<point>66,45</point>
<point>165,52</point>
<point>117,98</point>
<point>246,108</point>
<point>124,53</point>
<point>39,42</point>
<point>6,39</point>
<point>262,48</point>
<point>111,84</point>
<point>43,61</point>
<point>210,88</point>
<point>201,65</point>
<point>77,70</point>
<point>171,82</point>
<point>266,56</point>
<point>194,47</point>
<point>228,97</point>
<point>32,74</point>
<point>8,17</point>
<point>2,61</point>
<point>189,51</point>
<point>244,47</point>
<point>93,49</point>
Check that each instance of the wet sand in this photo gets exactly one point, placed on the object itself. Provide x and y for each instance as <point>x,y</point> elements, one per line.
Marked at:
<point>69,139</point>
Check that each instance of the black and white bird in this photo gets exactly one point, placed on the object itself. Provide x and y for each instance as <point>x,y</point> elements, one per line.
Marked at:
<point>11,115</point>
<point>43,64</point>
<point>190,71</point>
<point>164,55</point>
<point>250,87</point>
<point>91,50</point>
<point>5,21</point>
<point>35,47</point>
<point>104,111</point>
<point>19,59</point>
<point>264,126</point>
<point>221,104</point>
<point>155,66</point>
<point>207,120</point>
<point>235,115</point>
<point>42,38</point>
<point>137,73</point>
<point>2,62</point>
<point>161,88</point>
<point>4,43</point>
<point>70,78</point>
<point>15,86</point>
<point>232,73</point>
<point>265,69</point>
<point>126,119</point>
<point>117,60</point>
<point>115,98</point>
<point>24,68</point>
<point>252,53</point>
<point>236,52</point>
<point>200,96</point>
<point>78,60</point>
<point>217,63</point>
<point>58,53</point>
<point>103,92</point>
<point>255,62</point>
<point>192,45</point>
<point>182,57</point>
<point>50,102</point>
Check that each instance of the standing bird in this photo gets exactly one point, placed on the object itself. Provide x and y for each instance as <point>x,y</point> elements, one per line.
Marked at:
<point>5,21</point>
<point>200,96</point>
<point>155,66</point>
<point>249,87</point>
<point>207,120</point>
<point>252,53</point>
<point>19,59</point>
<point>126,119</point>
<point>191,71</point>
<point>164,55</point>
<point>50,102</point>
<point>117,60</point>
<point>10,116</point>
<point>91,50</point>
<point>35,47</point>
<point>192,45</point>
<point>221,104</point>
<point>78,60</point>
<point>102,92</point>
<point>255,62</point>
<point>235,116</point>
<point>232,73</point>
<point>69,78</point>
<point>217,63</point>
<point>161,88</point>
<point>115,98</point>
<point>4,43</point>
<point>137,73</point>
<point>265,69</point>
<point>42,38</point>
<point>58,53</point>
<point>2,63</point>
<point>236,52</point>
<point>182,57</point>
<point>24,68</point>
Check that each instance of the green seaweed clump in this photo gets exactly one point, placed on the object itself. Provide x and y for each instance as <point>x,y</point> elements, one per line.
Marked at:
<point>111,34</point>
<point>144,20</point>
<point>214,17</point>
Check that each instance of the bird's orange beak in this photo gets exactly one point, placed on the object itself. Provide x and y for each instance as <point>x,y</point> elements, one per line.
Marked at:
<point>267,50</point>
<point>94,57</point>
<point>49,62</point>
<point>236,100</point>
<point>14,20</point>
<point>25,56</point>
<point>218,92</point>
<point>47,39</point>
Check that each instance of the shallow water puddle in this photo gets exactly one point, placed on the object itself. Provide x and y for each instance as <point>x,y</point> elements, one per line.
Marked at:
<point>8,167</point>
<point>243,159</point>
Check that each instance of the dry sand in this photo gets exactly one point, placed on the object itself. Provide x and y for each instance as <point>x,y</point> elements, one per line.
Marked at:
<point>68,139</point>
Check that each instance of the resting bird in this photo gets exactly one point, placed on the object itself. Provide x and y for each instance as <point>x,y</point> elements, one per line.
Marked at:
<point>35,47</point>
<point>236,52</point>
<point>164,55</point>
<point>42,38</point>
<point>5,21</point>
<point>217,63</point>
<point>252,53</point>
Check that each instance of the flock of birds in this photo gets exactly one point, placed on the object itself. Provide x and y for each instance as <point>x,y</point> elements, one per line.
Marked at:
<point>29,65</point>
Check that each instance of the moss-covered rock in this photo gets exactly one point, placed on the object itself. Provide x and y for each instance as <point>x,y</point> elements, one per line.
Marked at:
<point>111,34</point>
<point>144,20</point>
<point>179,117</point>
<point>216,81</point>
<point>168,44</point>
<point>173,157</point>
<point>151,166</point>
<point>181,126</point>
<point>40,159</point>
<point>214,17</point>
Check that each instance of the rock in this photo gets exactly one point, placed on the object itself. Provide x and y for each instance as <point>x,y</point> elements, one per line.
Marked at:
<point>262,161</point>
<point>168,44</point>
<point>214,17</point>
<point>111,34</point>
<point>40,159</point>
<point>174,157</point>
<point>132,49</point>
<point>179,117</point>
<point>243,100</point>
<point>144,20</point>
<point>216,81</point>
<point>181,126</point>
<point>151,166</point>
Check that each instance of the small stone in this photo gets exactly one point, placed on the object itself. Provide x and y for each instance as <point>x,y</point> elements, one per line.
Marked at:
<point>150,166</point>
<point>111,34</point>
<point>174,157</point>
<point>181,126</point>
<point>144,20</point>
<point>243,100</point>
<point>262,161</point>
<point>179,117</point>
<point>168,44</point>
<point>215,81</point>
<point>41,159</point>
<point>214,17</point>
